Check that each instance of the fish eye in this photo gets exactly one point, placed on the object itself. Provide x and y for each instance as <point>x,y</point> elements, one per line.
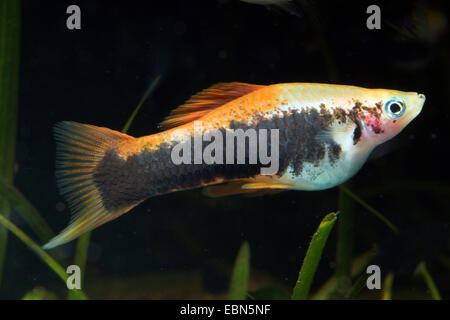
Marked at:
<point>394,108</point>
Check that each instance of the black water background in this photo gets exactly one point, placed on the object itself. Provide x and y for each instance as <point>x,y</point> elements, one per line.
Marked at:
<point>98,74</point>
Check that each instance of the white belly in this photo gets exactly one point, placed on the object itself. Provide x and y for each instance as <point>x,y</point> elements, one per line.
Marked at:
<point>325,174</point>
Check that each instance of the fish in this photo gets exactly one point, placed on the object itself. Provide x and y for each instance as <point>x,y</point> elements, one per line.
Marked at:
<point>321,134</point>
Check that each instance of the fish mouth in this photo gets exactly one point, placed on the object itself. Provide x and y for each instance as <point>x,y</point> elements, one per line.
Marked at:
<point>422,99</point>
<point>417,105</point>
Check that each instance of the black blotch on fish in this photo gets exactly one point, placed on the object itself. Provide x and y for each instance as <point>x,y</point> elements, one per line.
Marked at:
<point>123,182</point>
<point>151,172</point>
<point>379,105</point>
<point>298,132</point>
<point>357,106</point>
<point>356,134</point>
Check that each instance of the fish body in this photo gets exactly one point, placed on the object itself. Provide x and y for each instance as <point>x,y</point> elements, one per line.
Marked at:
<point>319,135</point>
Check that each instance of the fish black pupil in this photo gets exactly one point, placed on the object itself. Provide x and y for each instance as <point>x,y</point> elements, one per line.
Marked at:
<point>395,107</point>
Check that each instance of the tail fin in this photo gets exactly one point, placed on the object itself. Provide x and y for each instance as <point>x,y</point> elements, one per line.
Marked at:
<point>80,150</point>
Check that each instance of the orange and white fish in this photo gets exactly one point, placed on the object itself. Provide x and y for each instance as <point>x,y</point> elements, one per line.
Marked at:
<point>325,134</point>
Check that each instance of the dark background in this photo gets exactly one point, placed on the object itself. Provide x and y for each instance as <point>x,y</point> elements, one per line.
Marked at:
<point>182,245</point>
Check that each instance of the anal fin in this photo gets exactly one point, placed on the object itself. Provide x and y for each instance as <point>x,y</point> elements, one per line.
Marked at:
<point>266,185</point>
<point>244,188</point>
<point>226,189</point>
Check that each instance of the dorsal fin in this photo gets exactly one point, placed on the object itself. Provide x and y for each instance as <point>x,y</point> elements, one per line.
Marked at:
<point>207,100</point>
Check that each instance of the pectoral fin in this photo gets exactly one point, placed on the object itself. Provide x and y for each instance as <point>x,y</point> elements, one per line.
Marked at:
<point>334,132</point>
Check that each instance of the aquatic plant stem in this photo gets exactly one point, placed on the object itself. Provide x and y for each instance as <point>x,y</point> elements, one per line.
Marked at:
<point>387,287</point>
<point>423,270</point>
<point>241,274</point>
<point>80,260</point>
<point>359,285</point>
<point>364,204</point>
<point>138,107</point>
<point>358,264</point>
<point>312,258</point>
<point>344,249</point>
<point>26,210</point>
<point>52,263</point>
<point>9,87</point>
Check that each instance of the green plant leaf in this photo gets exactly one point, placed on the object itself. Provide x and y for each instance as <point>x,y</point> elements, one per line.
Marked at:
<point>138,107</point>
<point>39,293</point>
<point>26,210</point>
<point>9,88</point>
<point>241,273</point>
<point>312,258</point>
<point>358,264</point>
<point>52,263</point>
<point>423,271</point>
<point>386,294</point>
<point>359,285</point>
<point>81,254</point>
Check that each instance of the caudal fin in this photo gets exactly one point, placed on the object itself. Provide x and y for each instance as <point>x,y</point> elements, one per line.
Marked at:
<point>80,150</point>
